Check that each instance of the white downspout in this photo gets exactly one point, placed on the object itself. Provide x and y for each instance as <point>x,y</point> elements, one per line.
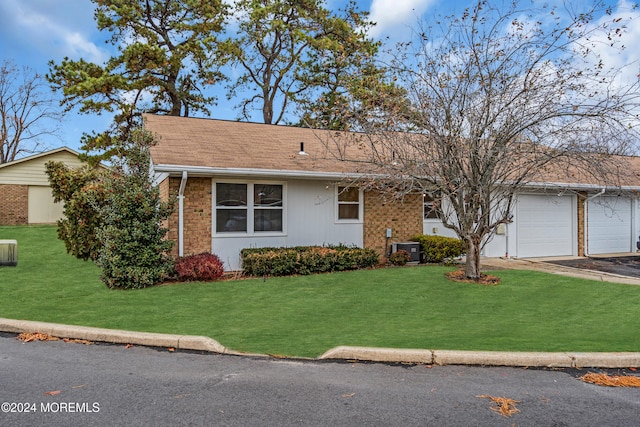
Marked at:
<point>183,184</point>
<point>585,220</point>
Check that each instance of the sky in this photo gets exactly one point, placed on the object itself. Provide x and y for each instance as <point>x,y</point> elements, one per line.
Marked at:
<point>34,32</point>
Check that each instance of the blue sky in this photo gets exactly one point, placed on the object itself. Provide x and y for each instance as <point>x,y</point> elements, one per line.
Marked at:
<point>33,32</point>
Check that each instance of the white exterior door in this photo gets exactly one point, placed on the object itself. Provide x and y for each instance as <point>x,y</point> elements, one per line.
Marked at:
<point>609,225</point>
<point>545,225</point>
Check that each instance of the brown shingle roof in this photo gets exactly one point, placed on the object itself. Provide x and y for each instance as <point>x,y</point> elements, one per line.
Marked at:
<point>194,142</point>
<point>218,144</point>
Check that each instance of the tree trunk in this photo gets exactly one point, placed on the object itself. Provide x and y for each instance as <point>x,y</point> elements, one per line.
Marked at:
<point>472,267</point>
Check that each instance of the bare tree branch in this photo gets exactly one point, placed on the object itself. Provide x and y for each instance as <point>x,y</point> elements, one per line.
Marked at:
<point>28,112</point>
<point>499,99</point>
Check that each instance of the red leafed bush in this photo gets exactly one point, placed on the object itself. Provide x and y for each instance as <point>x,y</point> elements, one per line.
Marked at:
<point>201,267</point>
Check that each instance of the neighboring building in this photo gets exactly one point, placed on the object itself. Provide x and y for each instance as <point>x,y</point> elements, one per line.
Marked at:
<point>243,185</point>
<point>25,195</point>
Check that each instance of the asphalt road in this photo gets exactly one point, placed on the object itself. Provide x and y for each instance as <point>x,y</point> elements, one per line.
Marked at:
<point>63,384</point>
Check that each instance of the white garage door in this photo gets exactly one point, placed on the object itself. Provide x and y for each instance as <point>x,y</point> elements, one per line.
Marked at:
<point>609,225</point>
<point>42,209</point>
<point>544,225</point>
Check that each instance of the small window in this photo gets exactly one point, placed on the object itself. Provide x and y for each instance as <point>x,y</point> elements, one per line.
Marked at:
<point>348,203</point>
<point>430,207</point>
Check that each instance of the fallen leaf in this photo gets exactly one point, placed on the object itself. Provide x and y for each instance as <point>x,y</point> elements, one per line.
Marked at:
<point>79,386</point>
<point>611,381</point>
<point>128,346</point>
<point>506,407</point>
<point>77,341</point>
<point>52,393</point>
<point>36,336</point>
<point>348,395</point>
<point>172,349</point>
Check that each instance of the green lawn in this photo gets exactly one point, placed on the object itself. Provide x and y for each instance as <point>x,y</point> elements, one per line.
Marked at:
<point>413,307</point>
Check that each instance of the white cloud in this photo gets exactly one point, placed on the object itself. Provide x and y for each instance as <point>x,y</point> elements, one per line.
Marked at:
<point>392,16</point>
<point>52,29</point>
<point>618,50</point>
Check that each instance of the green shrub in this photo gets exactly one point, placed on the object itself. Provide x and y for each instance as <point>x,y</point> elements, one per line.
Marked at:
<point>305,260</point>
<point>400,257</point>
<point>439,248</point>
<point>133,252</point>
<point>82,191</point>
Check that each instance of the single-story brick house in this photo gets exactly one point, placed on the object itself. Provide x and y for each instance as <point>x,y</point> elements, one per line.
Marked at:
<point>25,195</point>
<point>243,185</point>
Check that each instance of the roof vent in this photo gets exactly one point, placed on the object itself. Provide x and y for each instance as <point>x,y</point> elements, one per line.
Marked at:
<point>302,152</point>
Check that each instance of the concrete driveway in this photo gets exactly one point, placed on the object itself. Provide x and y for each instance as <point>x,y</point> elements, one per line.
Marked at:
<point>615,268</point>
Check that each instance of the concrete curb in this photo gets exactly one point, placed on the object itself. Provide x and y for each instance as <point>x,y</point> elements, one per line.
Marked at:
<point>370,354</point>
<point>184,342</point>
<point>487,358</point>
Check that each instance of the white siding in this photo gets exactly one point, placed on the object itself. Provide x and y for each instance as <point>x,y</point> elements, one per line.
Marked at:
<point>609,225</point>
<point>310,220</point>
<point>32,172</point>
<point>434,227</point>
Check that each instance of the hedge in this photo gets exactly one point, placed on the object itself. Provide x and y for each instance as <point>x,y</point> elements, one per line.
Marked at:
<point>439,248</point>
<point>305,260</point>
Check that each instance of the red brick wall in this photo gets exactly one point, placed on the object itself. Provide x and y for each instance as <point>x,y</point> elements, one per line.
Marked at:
<point>197,214</point>
<point>14,204</point>
<point>582,196</point>
<point>403,217</point>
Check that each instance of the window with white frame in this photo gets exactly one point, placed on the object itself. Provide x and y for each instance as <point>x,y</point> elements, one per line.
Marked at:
<point>349,203</point>
<point>430,205</point>
<point>249,207</point>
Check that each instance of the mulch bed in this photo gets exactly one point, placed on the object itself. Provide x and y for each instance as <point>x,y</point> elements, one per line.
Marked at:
<point>485,279</point>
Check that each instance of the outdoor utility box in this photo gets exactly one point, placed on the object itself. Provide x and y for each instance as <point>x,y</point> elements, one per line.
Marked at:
<point>413,248</point>
<point>9,252</point>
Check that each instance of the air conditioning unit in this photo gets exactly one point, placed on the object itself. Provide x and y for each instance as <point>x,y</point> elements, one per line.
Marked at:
<point>9,252</point>
<point>413,248</point>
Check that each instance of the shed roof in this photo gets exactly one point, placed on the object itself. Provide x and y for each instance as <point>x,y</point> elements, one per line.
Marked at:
<point>39,155</point>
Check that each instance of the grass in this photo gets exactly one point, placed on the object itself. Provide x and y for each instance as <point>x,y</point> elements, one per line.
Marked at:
<point>413,307</point>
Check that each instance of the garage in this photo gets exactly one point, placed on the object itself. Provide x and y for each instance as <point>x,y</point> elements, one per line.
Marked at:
<point>609,225</point>
<point>545,225</point>
<point>25,195</point>
<point>41,207</point>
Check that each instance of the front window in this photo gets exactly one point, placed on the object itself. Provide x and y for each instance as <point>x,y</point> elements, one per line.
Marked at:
<point>231,207</point>
<point>249,207</point>
<point>430,206</point>
<point>267,211</point>
<point>348,203</point>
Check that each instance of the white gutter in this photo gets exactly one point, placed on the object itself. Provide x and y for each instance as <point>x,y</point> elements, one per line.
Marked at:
<point>575,186</point>
<point>183,184</point>
<point>585,218</point>
<point>249,172</point>
<point>304,174</point>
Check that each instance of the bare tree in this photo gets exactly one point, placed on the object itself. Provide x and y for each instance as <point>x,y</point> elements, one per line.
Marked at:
<point>27,112</point>
<point>498,99</point>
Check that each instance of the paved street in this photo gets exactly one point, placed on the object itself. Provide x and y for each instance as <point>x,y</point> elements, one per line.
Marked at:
<point>64,384</point>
